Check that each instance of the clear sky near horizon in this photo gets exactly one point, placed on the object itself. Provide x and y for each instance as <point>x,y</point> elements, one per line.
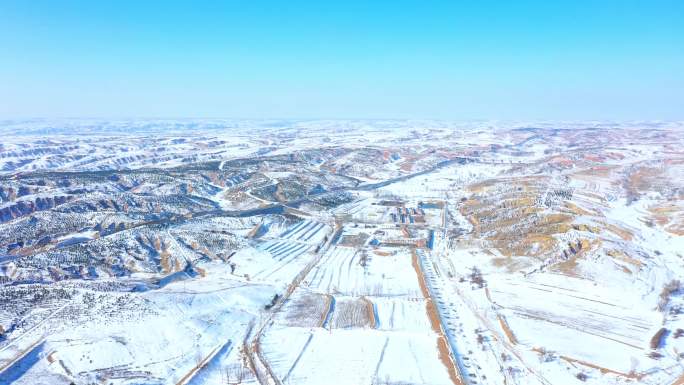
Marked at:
<point>612,59</point>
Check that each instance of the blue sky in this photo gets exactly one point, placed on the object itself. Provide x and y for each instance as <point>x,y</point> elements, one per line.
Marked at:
<point>458,60</point>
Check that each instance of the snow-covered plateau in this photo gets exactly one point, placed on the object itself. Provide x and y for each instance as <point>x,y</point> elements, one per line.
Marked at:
<point>341,252</point>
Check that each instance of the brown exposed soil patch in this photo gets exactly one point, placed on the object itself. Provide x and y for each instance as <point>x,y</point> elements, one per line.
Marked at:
<point>201,271</point>
<point>630,375</point>
<point>679,380</point>
<point>371,313</point>
<point>576,210</point>
<point>254,231</point>
<point>352,313</point>
<point>164,261</point>
<point>596,171</point>
<point>642,180</point>
<point>306,310</point>
<point>670,216</point>
<point>431,310</point>
<point>355,240</point>
<point>620,232</point>
<point>620,255</point>
<point>507,330</point>
<point>657,338</point>
<point>406,166</point>
<point>324,314</point>
<point>445,357</point>
<point>430,307</point>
